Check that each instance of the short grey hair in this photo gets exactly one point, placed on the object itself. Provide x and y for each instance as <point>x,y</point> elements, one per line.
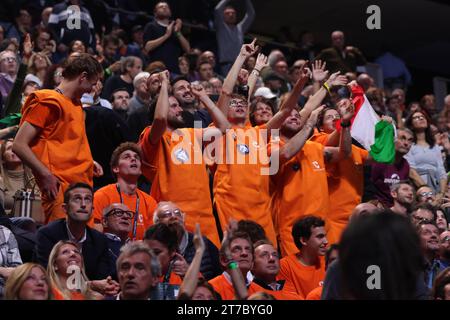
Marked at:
<point>127,62</point>
<point>132,248</point>
<point>140,76</point>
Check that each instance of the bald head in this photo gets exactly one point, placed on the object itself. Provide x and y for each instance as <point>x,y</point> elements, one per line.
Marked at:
<point>363,209</point>
<point>168,213</point>
<point>117,220</point>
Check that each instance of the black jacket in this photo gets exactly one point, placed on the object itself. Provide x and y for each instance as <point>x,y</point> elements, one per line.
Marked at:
<point>210,265</point>
<point>95,248</point>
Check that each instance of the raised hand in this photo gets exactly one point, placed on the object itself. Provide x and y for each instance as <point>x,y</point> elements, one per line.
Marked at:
<point>249,49</point>
<point>198,90</point>
<point>199,244</point>
<point>178,25</point>
<point>337,80</point>
<point>180,266</point>
<point>164,76</point>
<point>261,62</point>
<point>27,46</point>
<point>312,120</point>
<point>388,119</point>
<point>170,28</point>
<point>318,71</point>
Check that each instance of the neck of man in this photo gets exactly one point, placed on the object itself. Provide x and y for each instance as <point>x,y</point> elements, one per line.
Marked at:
<point>164,21</point>
<point>399,208</point>
<point>128,185</point>
<point>287,134</point>
<point>306,258</point>
<point>398,157</point>
<point>430,256</point>
<point>76,228</point>
<point>189,107</point>
<point>126,77</point>
<point>69,89</point>
<point>268,279</point>
<point>144,96</point>
<point>123,235</point>
<point>143,296</point>
<point>240,123</point>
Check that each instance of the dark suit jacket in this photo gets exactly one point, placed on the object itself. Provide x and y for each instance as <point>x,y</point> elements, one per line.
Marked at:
<point>94,251</point>
<point>335,61</point>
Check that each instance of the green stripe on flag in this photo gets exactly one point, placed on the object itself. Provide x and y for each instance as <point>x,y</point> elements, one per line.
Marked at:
<point>383,150</point>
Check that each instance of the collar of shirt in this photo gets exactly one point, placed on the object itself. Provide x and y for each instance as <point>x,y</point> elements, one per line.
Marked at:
<point>112,236</point>
<point>72,238</point>
<point>278,284</point>
<point>161,23</point>
<point>184,243</point>
<point>248,278</point>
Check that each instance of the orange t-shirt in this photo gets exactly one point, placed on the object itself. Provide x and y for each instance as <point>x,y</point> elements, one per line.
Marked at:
<point>109,194</point>
<point>345,184</point>
<point>299,188</point>
<point>173,279</point>
<point>226,290</point>
<point>281,294</point>
<point>178,173</point>
<point>316,294</point>
<point>241,180</point>
<point>62,145</point>
<point>57,295</point>
<point>299,278</point>
<point>319,137</point>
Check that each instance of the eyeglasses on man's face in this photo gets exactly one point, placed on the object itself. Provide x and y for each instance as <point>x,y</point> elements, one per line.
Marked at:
<point>9,59</point>
<point>120,213</point>
<point>238,103</point>
<point>170,213</point>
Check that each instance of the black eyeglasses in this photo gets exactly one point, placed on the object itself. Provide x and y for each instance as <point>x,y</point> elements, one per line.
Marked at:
<point>120,213</point>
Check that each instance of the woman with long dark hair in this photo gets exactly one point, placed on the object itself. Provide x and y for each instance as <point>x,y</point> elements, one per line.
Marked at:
<point>425,156</point>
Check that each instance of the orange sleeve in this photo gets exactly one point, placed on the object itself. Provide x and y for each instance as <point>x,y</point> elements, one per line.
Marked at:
<point>149,152</point>
<point>316,294</point>
<point>101,201</point>
<point>40,113</point>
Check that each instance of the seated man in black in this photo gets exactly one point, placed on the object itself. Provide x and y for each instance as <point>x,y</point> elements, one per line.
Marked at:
<point>117,224</point>
<point>93,245</point>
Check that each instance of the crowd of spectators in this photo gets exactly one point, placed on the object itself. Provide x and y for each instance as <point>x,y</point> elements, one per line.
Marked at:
<point>115,174</point>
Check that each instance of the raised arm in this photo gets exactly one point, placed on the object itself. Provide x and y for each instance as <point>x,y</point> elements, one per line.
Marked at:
<point>190,280</point>
<point>261,63</point>
<point>291,101</point>
<point>153,44</point>
<point>319,74</point>
<point>183,41</point>
<point>247,50</point>
<point>248,18</point>
<point>220,120</point>
<point>333,154</point>
<point>218,11</point>
<point>240,289</point>
<point>159,125</point>
<point>297,142</point>
<point>315,100</point>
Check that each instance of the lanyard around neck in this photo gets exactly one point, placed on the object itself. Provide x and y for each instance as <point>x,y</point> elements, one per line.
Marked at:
<point>136,211</point>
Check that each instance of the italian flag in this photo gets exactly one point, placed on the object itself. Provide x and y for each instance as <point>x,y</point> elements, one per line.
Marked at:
<point>374,134</point>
